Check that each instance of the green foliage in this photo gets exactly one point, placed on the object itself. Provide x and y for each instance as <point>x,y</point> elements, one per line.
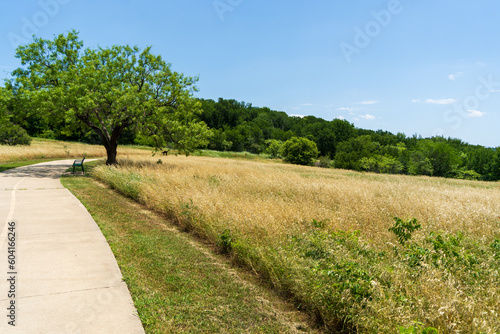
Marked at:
<point>249,128</point>
<point>300,151</point>
<point>339,274</point>
<point>443,157</point>
<point>404,229</point>
<point>419,164</point>
<point>225,241</point>
<point>318,224</point>
<point>11,134</point>
<point>5,98</point>
<point>418,328</point>
<point>349,153</point>
<point>496,248</point>
<point>468,174</point>
<point>109,90</point>
<point>450,253</point>
<point>274,148</point>
<point>381,164</point>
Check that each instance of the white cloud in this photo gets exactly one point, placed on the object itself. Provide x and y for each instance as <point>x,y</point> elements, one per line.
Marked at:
<point>306,104</point>
<point>475,113</point>
<point>340,117</point>
<point>367,116</point>
<point>440,101</point>
<point>455,76</point>
<point>369,102</point>
<point>349,110</point>
<point>295,115</point>
<point>434,101</point>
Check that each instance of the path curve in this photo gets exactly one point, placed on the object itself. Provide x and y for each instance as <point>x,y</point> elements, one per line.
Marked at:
<point>66,279</point>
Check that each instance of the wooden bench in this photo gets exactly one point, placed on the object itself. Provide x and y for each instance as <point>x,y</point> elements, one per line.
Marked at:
<point>78,163</point>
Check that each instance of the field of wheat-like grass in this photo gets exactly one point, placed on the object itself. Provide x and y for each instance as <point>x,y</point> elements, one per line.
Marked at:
<point>48,149</point>
<point>323,236</point>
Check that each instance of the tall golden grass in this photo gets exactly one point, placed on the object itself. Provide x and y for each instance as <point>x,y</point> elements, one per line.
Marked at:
<point>284,221</point>
<point>47,149</point>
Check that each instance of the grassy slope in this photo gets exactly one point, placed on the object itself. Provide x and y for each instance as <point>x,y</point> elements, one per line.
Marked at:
<point>333,252</point>
<point>178,284</point>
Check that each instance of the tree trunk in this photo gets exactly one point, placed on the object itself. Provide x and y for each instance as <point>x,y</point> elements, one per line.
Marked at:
<point>110,142</point>
<point>111,152</point>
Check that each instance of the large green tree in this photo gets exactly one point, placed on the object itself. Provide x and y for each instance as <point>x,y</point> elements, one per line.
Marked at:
<point>109,90</point>
<point>299,151</point>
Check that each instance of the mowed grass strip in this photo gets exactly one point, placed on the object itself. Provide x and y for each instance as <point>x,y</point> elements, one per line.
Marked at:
<point>177,284</point>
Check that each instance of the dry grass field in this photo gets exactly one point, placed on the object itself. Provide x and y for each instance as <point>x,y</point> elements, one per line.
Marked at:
<point>323,237</point>
<point>48,149</point>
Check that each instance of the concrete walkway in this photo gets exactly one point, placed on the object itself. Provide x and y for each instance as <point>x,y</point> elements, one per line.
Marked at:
<point>64,277</point>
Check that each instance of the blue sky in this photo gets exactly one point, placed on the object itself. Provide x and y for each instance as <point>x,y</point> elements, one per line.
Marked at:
<point>412,66</point>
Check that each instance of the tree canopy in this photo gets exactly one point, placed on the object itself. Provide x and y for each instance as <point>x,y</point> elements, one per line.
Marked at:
<point>300,151</point>
<point>109,90</point>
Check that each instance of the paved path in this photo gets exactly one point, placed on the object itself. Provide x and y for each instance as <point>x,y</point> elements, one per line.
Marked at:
<point>64,277</point>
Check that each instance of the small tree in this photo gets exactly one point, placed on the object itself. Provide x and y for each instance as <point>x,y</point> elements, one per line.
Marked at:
<point>299,151</point>
<point>419,164</point>
<point>274,147</point>
<point>109,90</point>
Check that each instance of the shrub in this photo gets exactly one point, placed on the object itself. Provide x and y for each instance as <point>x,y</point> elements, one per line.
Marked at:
<point>12,134</point>
<point>300,151</point>
<point>274,147</point>
<point>324,162</point>
<point>403,229</point>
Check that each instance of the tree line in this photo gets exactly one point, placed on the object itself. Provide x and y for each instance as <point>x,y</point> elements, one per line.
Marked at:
<point>239,126</point>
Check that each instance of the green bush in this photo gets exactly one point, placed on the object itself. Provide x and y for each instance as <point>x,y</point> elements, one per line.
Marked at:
<point>403,229</point>
<point>300,151</point>
<point>274,148</point>
<point>12,134</point>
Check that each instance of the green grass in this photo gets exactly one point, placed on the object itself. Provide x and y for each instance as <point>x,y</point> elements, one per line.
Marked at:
<point>178,284</point>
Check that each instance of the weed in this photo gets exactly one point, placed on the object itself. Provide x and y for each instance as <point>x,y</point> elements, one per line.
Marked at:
<point>403,229</point>
<point>496,248</point>
<point>318,224</point>
<point>418,328</point>
<point>225,242</point>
